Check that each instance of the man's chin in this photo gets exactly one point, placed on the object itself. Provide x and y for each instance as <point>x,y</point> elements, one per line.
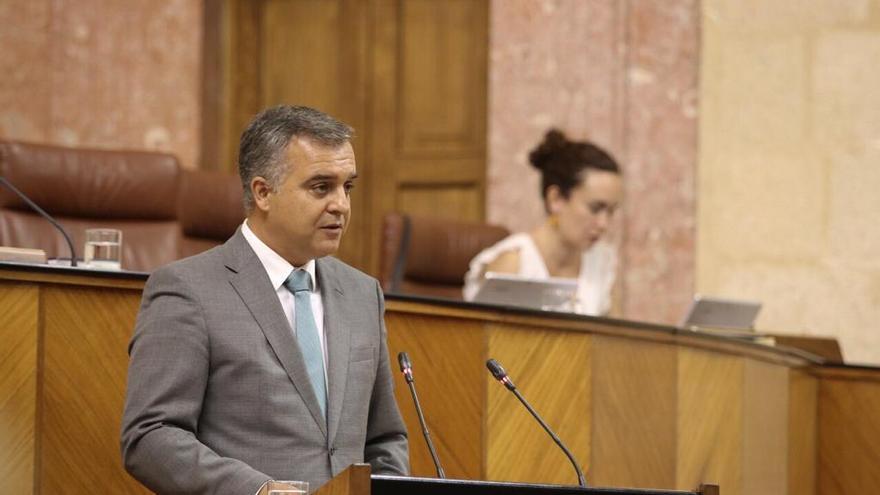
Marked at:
<point>326,249</point>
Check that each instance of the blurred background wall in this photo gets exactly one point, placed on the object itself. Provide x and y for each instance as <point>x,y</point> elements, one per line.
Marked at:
<point>789,165</point>
<point>102,73</point>
<point>749,132</point>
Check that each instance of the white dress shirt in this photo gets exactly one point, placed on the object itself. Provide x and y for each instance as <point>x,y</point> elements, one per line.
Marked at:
<point>278,270</point>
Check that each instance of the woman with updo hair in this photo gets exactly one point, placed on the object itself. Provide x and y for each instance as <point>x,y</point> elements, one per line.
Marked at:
<point>581,187</point>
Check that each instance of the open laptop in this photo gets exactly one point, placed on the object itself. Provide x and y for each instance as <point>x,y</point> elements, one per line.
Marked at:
<point>550,294</point>
<point>715,312</point>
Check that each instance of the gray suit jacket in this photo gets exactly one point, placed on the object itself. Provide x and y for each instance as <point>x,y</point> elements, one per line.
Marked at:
<point>218,397</point>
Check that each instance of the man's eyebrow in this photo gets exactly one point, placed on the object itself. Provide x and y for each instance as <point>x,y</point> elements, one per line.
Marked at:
<point>330,177</point>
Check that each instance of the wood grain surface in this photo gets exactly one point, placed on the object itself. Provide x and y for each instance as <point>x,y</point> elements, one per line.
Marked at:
<point>802,431</point>
<point>447,360</point>
<point>639,406</point>
<point>633,415</point>
<point>85,340</point>
<point>18,386</point>
<point>552,371</point>
<point>765,403</point>
<point>709,420</point>
<point>849,429</point>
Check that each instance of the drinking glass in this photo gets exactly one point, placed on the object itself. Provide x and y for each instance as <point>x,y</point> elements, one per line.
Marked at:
<point>277,487</point>
<point>103,249</point>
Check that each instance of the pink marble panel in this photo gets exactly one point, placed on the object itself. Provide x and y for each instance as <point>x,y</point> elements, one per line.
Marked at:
<point>107,74</point>
<point>24,65</point>
<point>552,64</point>
<point>622,74</point>
<point>661,155</point>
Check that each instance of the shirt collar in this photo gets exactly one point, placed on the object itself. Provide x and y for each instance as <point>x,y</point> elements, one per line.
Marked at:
<point>276,267</point>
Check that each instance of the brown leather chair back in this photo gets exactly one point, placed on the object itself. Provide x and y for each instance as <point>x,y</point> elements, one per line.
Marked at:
<point>210,208</point>
<point>430,256</point>
<point>133,191</point>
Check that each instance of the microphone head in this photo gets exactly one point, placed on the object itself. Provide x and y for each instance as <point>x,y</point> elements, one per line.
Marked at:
<point>496,369</point>
<point>403,361</point>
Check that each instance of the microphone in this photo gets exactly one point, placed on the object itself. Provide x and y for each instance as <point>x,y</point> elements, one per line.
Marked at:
<point>406,369</point>
<point>501,375</point>
<point>42,213</point>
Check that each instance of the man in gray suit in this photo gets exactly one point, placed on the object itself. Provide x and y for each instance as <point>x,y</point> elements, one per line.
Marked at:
<point>265,358</point>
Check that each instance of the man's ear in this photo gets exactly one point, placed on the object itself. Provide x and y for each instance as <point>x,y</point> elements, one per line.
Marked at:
<point>261,190</point>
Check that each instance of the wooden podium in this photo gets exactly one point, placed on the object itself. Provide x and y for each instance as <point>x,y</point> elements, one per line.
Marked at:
<point>356,480</point>
<point>640,405</point>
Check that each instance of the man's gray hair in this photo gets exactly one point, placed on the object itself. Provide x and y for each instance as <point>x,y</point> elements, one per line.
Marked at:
<point>264,142</point>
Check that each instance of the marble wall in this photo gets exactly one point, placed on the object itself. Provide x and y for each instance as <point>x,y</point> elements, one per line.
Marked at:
<point>102,73</point>
<point>620,73</point>
<point>789,165</point>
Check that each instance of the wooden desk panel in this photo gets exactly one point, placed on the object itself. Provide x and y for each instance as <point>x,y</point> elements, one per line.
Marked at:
<point>633,414</point>
<point>640,405</point>
<point>849,432</point>
<point>85,360</point>
<point>709,420</point>
<point>551,369</point>
<point>18,386</point>
<point>802,432</point>
<point>447,355</point>
<point>765,403</point>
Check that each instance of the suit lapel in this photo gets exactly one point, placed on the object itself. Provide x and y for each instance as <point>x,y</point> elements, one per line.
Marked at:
<point>250,281</point>
<point>337,332</point>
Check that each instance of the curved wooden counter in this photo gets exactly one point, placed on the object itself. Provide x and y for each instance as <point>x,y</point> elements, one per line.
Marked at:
<point>640,405</point>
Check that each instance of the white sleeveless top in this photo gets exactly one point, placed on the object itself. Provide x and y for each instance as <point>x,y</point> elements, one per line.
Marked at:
<point>596,278</point>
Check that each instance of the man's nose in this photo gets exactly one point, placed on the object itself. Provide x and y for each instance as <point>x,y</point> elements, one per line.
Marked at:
<point>340,202</point>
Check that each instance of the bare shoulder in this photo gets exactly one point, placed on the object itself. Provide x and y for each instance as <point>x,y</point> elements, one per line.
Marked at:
<point>506,262</point>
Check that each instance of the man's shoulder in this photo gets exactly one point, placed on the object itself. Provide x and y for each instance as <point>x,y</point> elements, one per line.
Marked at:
<point>343,272</point>
<point>206,264</point>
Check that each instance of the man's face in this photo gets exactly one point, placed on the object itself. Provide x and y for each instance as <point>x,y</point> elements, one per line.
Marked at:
<point>306,215</point>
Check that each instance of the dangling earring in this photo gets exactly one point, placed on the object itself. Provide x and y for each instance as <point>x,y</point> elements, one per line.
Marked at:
<point>553,220</point>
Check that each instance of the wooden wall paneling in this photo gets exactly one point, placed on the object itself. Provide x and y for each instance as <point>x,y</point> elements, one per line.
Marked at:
<point>410,76</point>
<point>429,112</point>
<point>213,152</point>
<point>710,420</point>
<point>450,201</point>
<point>85,342</point>
<point>765,403</point>
<point>240,72</point>
<point>551,368</point>
<point>447,356</point>
<point>634,413</point>
<point>442,78</point>
<point>18,386</point>
<point>802,431</point>
<point>849,427</point>
<point>314,53</point>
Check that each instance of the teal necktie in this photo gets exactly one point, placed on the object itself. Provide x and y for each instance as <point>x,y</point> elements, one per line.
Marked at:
<point>299,282</point>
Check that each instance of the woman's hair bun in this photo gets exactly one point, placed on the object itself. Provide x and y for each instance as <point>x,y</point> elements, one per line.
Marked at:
<point>554,141</point>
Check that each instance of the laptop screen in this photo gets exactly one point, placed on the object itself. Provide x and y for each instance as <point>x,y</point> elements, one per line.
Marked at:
<point>551,294</point>
<point>715,312</point>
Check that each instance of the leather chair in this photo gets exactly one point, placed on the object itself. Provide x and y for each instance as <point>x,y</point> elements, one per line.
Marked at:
<point>210,208</point>
<point>133,191</point>
<point>164,212</point>
<point>430,256</point>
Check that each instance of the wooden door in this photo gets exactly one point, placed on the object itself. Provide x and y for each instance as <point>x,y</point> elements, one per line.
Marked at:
<point>408,75</point>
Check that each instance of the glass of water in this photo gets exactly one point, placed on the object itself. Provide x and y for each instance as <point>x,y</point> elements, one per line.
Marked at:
<point>276,487</point>
<point>103,249</point>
